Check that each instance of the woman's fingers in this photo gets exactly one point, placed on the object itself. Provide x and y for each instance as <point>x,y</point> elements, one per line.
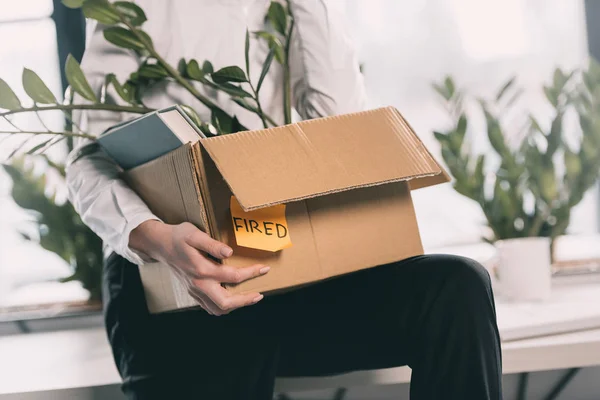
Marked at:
<point>225,301</point>
<point>228,274</point>
<point>201,241</point>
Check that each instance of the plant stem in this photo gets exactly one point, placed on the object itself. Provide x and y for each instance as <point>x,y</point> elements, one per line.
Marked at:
<point>70,120</point>
<point>260,111</point>
<point>172,71</point>
<point>19,147</point>
<point>39,117</point>
<point>11,123</point>
<point>287,90</point>
<point>65,134</point>
<point>269,119</point>
<point>6,137</point>
<point>57,167</point>
<point>539,219</point>
<point>217,87</point>
<point>102,107</point>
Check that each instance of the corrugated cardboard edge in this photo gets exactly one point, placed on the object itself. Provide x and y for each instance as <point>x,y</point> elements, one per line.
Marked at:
<point>424,181</point>
<point>157,277</point>
<point>201,180</point>
<point>185,168</point>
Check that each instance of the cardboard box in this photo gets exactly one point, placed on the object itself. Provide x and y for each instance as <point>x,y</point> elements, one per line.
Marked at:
<point>345,182</point>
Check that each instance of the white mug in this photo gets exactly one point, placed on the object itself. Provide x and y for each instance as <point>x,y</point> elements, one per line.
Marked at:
<point>524,268</point>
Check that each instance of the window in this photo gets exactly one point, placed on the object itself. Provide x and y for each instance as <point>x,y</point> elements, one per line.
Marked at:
<point>28,273</point>
<point>405,46</point>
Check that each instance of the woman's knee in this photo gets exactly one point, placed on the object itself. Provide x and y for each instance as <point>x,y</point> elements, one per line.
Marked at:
<point>469,273</point>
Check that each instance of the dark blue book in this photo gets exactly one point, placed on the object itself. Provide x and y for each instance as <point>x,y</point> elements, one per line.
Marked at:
<point>133,143</point>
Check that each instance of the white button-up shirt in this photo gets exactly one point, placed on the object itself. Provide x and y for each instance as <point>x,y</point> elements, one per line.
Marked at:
<point>325,80</point>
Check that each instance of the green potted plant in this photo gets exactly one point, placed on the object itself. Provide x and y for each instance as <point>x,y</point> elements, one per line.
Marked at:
<point>60,228</point>
<point>527,187</point>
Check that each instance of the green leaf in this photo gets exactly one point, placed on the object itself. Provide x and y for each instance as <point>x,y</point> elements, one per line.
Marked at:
<point>207,67</point>
<point>514,97</point>
<point>559,79</point>
<point>547,185</point>
<point>122,37</point>
<point>247,53</point>
<point>588,81</point>
<point>279,53</point>
<point>504,88</point>
<point>134,14</point>
<point>122,91</point>
<point>572,164</point>
<point>77,79</point>
<point>504,205</point>
<point>233,90</point>
<point>222,121</point>
<point>153,71</point>
<point>39,146</point>
<point>264,35</point>
<point>8,98</point>
<point>244,104</point>
<point>278,17</point>
<point>72,3</point>
<point>461,129</point>
<point>192,114</point>
<point>229,74</point>
<point>589,150</point>
<point>535,125</point>
<point>36,88</point>
<point>84,151</point>
<point>69,278</point>
<point>236,126</point>
<point>146,37</point>
<point>182,67</point>
<point>551,95</point>
<point>495,135</point>
<point>208,130</point>
<point>450,87</point>
<point>193,70</point>
<point>26,236</point>
<point>273,43</point>
<point>479,171</point>
<point>265,69</point>
<point>555,136</point>
<point>100,10</point>
<point>441,137</point>
<point>594,69</point>
<point>442,91</point>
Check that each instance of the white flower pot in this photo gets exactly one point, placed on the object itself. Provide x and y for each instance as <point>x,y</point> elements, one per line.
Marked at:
<point>524,268</point>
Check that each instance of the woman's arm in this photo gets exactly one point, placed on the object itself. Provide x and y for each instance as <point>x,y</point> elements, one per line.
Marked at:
<point>104,202</point>
<point>116,214</point>
<point>325,74</point>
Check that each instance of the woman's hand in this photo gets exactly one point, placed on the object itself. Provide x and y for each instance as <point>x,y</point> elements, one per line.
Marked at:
<point>183,248</point>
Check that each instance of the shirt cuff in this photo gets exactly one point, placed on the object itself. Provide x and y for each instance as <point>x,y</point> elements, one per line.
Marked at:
<point>127,252</point>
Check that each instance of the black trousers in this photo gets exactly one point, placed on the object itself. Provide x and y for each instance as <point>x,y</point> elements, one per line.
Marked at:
<point>434,313</point>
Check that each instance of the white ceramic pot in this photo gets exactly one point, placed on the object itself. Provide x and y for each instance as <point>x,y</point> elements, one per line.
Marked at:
<point>524,268</point>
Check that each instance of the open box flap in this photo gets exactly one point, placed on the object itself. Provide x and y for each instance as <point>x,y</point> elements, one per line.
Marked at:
<point>321,156</point>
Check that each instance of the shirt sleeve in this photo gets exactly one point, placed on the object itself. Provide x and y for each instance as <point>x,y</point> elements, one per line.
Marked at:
<point>105,203</point>
<point>325,74</point>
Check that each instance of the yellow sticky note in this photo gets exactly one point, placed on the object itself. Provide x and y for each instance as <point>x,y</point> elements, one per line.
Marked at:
<point>263,229</point>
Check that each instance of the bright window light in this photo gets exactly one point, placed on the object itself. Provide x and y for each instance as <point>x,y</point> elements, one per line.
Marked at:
<point>491,29</point>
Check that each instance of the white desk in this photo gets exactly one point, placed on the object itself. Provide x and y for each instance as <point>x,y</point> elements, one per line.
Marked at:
<point>82,358</point>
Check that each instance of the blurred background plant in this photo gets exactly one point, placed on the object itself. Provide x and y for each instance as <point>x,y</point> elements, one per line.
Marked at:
<point>59,228</point>
<point>532,182</point>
